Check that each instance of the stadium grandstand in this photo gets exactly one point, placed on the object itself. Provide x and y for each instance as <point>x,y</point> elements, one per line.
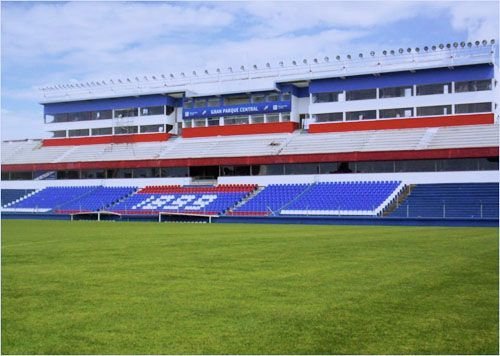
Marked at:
<point>404,134</point>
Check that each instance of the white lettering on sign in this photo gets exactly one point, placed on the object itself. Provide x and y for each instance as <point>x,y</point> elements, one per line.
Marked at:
<point>176,202</point>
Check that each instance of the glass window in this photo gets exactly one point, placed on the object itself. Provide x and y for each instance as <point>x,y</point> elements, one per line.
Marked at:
<point>102,131</point>
<point>258,119</point>
<point>236,99</point>
<point>286,97</point>
<point>471,108</point>
<point>213,102</point>
<point>187,123</point>
<point>152,110</point>
<point>80,132</point>
<point>415,166</point>
<point>152,128</point>
<point>199,123</point>
<point>361,115</point>
<point>213,121</point>
<point>126,113</point>
<point>121,130</point>
<point>334,116</point>
<point>200,103</point>
<point>361,94</point>
<point>169,110</point>
<point>326,97</point>
<point>102,115</point>
<point>473,85</point>
<point>374,167</point>
<point>271,169</point>
<point>328,168</point>
<point>272,118</point>
<point>258,98</point>
<point>431,89</point>
<point>285,116</point>
<point>174,172</point>
<point>394,113</point>
<point>236,120</point>
<point>188,103</point>
<point>396,92</point>
<point>273,97</point>
<point>61,133</point>
<point>434,110</point>
<point>302,168</point>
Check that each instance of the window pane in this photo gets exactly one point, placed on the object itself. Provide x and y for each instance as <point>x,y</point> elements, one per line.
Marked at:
<point>200,103</point>
<point>213,102</point>
<point>188,103</point>
<point>473,85</point>
<point>258,119</point>
<point>258,98</point>
<point>471,108</point>
<point>102,131</point>
<point>361,115</point>
<point>81,132</point>
<point>395,92</point>
<point>152,110</point>
<point>119,130</point>
<point>236,100</point>
<point>272,118</point>
<point>430,89</point>
<point>273,97</point>
<point>152,128</point>
<point>61,133</point>
<point>213,122</point>
<point>434,110</point>
<point>361,94</point>
<point>326,97</point>
<point>334,116</point>
<point>394,113</point>
<point>126,113</point>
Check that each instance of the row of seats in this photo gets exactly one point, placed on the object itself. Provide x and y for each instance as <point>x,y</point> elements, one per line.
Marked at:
<point>326,198</point>
<point>471,200</point>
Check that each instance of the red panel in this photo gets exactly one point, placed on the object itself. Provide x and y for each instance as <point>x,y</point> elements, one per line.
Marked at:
<point>299,158</point>
<point>95,140</point>
<point>403,123</point>
<point>250,129</point>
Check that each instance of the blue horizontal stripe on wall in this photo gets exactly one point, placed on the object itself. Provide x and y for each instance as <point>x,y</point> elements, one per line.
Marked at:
<point>242,109</point>
<point>396,79</point>
<point>108,104</point>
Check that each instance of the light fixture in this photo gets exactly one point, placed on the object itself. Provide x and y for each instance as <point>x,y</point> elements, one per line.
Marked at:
<point>304,61</point>
<point>242,67</point>
<point>206,71</point>
<point>172,75</point>
<point>218,70</point>
<point>401,50</point>
<point>294,63</point>
<point>255,66</point>
<point>433,48</point>
<point>393,52</point>
<point>426,48</point>
<point>360,55</point>
<point>230,69</point>
<point>384,52</point>
<point>492,41</point>
<point>462,44</point>
<point>455,44</point>
<point>477,43</point>
<point>372,53</point>
<point>448,45</point>
<point>183,74</point>
<point>349,56</point>
<point>281,63</point>
<point>408,50</point>
<point>268,65</point>
<point>326,59</point>
<point>337,58</point>
<point>194,72</point>
<point>315,60</point>
<point>441,46</point>
<point>484,42</point>
<point>417,49</point>
<point>469,44</point>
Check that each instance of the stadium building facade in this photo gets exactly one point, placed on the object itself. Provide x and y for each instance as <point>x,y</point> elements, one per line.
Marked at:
<point>399,118</point>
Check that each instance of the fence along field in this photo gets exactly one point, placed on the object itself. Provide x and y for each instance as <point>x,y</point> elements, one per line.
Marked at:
<point>149,288</point>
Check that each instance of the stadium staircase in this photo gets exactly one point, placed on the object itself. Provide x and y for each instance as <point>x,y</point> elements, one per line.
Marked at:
<point>427,138</point>
<point>244,200</point>
<point>400,198</point>
<point>13,196</point>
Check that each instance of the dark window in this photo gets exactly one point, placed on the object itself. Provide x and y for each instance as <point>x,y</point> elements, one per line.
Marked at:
<point>102,115</point>
<point>61,133</point>
<point>302,168</point>
<point>200,103</point>
<point>434,110</point>
<point>393,113</point>
<point>126,113</point>
<point>273,118</point>
<point>396,92</point>
<point>471,108</point>
<point>334,116</point>
<point>152,128</point>
<point>213,121</point>
<point>236,100</point>
<point>213,102</point>
<point>152,110</point>
<point>361,94</point>
<point>188,103</point>
<point>102,131</point>
<point>326,97</point>
<point>120,130</point>
<point>273,97</point>
<point>81,132</point>
<point>473,85</point>
<point>431,89</point>
<point>361,115</point>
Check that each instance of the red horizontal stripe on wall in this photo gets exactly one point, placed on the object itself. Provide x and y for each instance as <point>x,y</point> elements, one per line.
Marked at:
<point>247,129</point>
<point>403,123</point>
<point>96,140</point>
<point>298,158</point>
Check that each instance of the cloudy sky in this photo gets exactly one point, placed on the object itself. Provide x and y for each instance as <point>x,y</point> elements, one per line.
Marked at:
<point>58,42</point>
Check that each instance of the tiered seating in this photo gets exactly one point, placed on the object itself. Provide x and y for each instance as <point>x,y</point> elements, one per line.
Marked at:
<point>461,200</point>
<point>11,195</point>
<point>98,199</point>
<point>207,200</point>
<point>343,198</point>
<point>270,200</point>
<point>51,198</point>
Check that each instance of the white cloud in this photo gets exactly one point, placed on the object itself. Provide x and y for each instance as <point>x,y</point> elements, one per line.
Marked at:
<point>479,19</point>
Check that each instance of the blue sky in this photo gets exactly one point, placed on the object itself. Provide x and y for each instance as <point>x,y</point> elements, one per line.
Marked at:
<point>47,43</point>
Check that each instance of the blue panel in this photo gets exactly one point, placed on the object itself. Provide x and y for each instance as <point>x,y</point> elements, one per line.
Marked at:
<point>242,109</point>
<point>294,90</point>
<point>108,104</point>
<point>387,80</point>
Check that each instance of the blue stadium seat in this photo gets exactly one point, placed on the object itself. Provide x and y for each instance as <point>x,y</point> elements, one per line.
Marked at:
<point>460,200</point>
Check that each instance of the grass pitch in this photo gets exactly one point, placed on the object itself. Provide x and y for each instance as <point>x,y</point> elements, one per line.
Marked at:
<point>149,288</point>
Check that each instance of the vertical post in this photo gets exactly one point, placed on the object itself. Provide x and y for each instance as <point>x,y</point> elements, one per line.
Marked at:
<point>408,211</point>
<point>159,217</point>
<point>481,209</point>
<point>444,209</point>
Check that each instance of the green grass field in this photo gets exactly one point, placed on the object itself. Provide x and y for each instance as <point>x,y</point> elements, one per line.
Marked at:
<point>149,288</point>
